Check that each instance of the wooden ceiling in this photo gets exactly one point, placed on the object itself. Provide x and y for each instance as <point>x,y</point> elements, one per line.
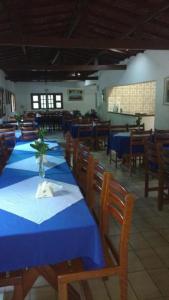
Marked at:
<point>54,40</point>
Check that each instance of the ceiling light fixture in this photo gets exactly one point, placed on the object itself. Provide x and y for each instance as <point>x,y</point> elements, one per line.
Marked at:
<point>116,50</point>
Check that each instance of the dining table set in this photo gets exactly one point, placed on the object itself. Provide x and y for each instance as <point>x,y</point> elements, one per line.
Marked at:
<point>37,232</point>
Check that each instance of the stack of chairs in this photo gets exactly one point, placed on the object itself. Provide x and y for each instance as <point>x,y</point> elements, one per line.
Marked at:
<point>108,200</point>
<point>115,204</point>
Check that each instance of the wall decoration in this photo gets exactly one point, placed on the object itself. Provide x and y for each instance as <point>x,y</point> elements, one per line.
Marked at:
<point>1,102</point>
<point>75,94</point>
<point>166,90</point>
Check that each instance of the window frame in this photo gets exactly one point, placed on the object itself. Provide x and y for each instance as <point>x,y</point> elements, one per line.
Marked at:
<point>47,103</point>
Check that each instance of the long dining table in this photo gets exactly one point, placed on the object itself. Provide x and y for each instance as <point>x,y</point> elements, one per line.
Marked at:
<point>37,232</point>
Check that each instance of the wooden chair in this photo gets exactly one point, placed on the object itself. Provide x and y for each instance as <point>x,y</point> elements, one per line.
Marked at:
<point>85,134</point>
<point>138,140</point>
<point>151,168</point>
<point>117,203</point>
<point>163,196</point>
<point>69,149</point>
<point>161,131</point>
<point>29,133</point>
<point>161,137</point>
<point>84,164</point>
<point>95,187</point>
<point>9,137</point>
<point>13,279</point>
<point>135,127</point>
<point>4,153</point>
<point>101,131</point>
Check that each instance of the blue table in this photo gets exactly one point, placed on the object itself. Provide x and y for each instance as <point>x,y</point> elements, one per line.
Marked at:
<point>69,234</point>
<point>119,142</point>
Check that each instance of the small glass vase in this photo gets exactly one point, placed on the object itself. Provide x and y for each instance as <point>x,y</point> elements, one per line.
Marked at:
<point>41,167</point>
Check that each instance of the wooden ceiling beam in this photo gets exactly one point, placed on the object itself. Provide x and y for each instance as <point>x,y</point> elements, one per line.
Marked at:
<point>76,18</point>
<point>16,21</point>
<point>60,68</point>
<point>41,77</point>
<point>63,43</point>
<point>160,8</point>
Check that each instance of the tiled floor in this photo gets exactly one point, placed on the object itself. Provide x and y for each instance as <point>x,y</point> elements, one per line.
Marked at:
<point>148,247</point>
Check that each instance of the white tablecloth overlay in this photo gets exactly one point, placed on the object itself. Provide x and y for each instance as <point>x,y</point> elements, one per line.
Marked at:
<point>27,147</point>
<point>19,199</point>
<point>30,163</point>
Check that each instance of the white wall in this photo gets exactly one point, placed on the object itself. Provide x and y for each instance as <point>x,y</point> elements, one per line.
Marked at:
<point>24,90</point>
<point>147,66</point>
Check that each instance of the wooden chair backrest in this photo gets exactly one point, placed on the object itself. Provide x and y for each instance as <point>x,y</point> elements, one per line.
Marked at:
<point>95,182</point>
<point>81,157</point>
<point>69,148</point>
<point>139,138</point>
<point>118,128</point>
<point>163,156</point>
<point>29,133</point>
<point>102,129</point>
<point>117,203</point>
<point>159,131</point>
<point>135,127</point>
<point>162,138</point>
<point>8,133</point>
<point>84,129</point>
<point>151,156</point>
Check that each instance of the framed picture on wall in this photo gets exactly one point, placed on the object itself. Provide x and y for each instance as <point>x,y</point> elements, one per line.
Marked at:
<point>75,94</point>
<point>166,90</point>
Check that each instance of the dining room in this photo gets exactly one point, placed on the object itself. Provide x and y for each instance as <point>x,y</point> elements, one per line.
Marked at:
<point>84,136</point>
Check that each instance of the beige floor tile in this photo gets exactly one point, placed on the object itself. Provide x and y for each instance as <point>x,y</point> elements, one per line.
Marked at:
<point>137,241</point>
<point>134,263</point>
<point>99,292</point>
<point>149,259</point>
<point>40,282</point>
<point>43,293</point>
<point>113,289</point>
<point>160,277</point>
<point>165,233</point>
<point>155,239</point>
<point>143,286</point>
<point>8,296</point>
<point>163,253</point>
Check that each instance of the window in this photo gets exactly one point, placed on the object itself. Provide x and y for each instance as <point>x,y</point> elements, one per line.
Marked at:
<point>47,101</point>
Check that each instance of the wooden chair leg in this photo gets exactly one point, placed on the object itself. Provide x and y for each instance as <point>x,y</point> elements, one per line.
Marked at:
<point>62,291</point>
<point>18,293</point>
<point>123,287</point>
<point>146,184</point>
<point>160,194</point>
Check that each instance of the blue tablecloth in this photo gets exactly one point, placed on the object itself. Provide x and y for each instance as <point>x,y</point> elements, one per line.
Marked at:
<point>70,234</point>
<point>87,133</point>
<point>119,142</point>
